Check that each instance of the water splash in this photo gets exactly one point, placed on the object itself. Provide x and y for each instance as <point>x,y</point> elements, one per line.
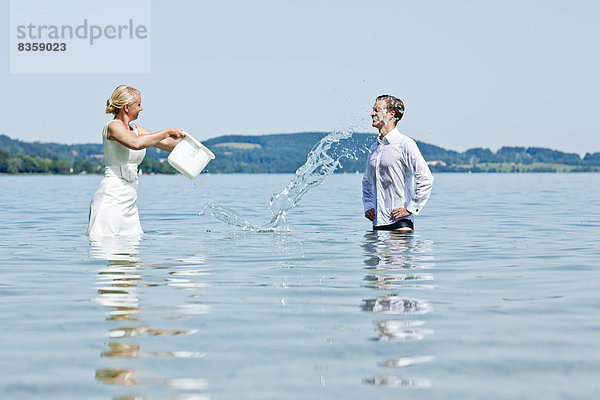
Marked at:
<point>319,164</point>
<point>322,161</point>
<point>227,215</point>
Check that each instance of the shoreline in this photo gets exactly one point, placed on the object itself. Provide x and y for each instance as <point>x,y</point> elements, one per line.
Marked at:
<point>475,170</point>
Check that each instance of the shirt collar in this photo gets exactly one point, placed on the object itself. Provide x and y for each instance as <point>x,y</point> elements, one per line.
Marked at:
<point>391,135</point>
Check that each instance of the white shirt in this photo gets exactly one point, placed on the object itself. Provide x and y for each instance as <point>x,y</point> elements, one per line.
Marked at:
<point>396,176</point>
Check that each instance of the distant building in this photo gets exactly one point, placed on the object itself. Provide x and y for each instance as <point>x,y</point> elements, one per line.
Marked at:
<point>436,162</point>
<point>97,156</point>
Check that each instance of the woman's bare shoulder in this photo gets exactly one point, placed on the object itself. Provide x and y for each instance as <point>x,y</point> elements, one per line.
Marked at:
<point>115,128</point>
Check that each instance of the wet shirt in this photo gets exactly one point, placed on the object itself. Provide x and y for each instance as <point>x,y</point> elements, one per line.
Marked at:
<point>396,176</point>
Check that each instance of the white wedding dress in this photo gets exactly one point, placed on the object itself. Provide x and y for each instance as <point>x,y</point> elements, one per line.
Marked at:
<point>113,210</point>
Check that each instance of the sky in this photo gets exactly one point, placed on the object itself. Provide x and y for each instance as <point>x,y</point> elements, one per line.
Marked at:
<point>471,73</point>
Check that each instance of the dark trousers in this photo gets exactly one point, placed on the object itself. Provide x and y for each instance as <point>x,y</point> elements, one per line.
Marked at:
<point>401,223</point>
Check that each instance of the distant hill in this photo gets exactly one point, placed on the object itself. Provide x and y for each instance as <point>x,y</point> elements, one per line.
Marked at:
<point>284,153</point>
<point>281,152</point>
<point>49,150</point>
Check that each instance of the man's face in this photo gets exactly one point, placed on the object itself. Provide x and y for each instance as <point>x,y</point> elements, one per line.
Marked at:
<point>380,114</point>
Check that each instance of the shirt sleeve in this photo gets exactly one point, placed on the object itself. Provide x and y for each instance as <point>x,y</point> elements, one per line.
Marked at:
<point>368,196</point>
<point>423,179</point>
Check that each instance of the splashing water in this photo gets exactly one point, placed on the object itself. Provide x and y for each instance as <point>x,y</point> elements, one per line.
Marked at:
<point>319,164</point>
<point>322,161</point>
<point>227,215</point>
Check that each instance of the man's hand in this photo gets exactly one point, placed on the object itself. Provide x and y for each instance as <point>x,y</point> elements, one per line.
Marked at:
<point>370,214</point>
<point>398,213</point>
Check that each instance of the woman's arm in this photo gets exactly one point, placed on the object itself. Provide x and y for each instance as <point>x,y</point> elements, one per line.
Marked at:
<point>127,138</point>
<point>167,144</point>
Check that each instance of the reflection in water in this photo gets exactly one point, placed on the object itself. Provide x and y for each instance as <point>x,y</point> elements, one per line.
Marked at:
<point>399,281</point>
<point>131,378</point>
<point>398,382</point>
<point>394,330</point>
<point>132,350</point>
<point>392,304</point>
<point>120,285</point>
<point>144,330</point>
<point>117,376</point>
<point>118,281</point>
<point>406,361</point>
<point>395,261</point>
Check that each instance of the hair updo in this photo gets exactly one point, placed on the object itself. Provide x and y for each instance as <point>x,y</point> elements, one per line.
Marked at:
<point>393,104</point>
<point>121,96</point>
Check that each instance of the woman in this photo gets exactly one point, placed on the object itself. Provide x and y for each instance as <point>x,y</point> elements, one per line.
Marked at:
<point>113,210</point>
<point>397,181</point>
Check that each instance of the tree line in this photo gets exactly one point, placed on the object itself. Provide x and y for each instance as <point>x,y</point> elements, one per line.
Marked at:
<point>285,153</point>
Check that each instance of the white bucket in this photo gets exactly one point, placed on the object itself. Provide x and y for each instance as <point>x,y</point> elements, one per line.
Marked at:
<point>190,157</point>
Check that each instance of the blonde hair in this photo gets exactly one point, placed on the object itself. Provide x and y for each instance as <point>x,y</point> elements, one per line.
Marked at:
<point>121,96</point>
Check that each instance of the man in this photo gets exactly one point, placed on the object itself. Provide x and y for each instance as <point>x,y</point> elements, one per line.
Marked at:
<point>397,181</point>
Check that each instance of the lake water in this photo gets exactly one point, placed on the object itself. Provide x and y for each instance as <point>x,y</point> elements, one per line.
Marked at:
<point>495,295</point>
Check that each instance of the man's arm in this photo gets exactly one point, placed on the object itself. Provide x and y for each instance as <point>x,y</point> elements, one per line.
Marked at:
<point>368,195</point>
<point>423,179</point>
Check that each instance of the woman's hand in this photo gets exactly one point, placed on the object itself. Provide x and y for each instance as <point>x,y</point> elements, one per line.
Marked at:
<point>169,143</point>
<point>370,214</point>
<point>177,133</point>
<point>398,213</point>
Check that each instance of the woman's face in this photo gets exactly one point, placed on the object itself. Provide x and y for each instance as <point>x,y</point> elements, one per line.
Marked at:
<point>381,115</point>
<point>134,109</point>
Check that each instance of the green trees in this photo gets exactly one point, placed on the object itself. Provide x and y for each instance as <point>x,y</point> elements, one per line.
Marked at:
<point>592,159</point>
<point>32,164</point>
<point>151,165</point>
<point>285,153</point>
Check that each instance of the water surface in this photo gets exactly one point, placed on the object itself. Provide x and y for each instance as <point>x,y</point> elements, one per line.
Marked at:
<point>494,296</point>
